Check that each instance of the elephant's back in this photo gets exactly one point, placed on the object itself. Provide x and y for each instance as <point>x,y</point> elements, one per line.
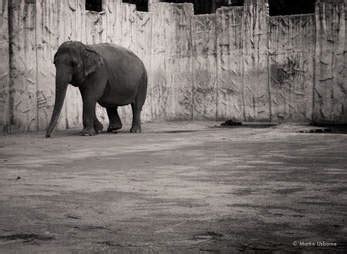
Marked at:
<point>120,59</point>
<point>112,52</point>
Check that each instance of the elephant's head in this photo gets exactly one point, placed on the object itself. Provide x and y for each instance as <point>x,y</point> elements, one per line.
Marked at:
<point>73,61</point>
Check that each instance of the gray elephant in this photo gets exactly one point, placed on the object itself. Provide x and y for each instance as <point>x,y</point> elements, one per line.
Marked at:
<point>105,73</point>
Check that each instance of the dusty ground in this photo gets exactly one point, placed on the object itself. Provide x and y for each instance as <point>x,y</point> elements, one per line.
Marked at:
<point>177,188</point>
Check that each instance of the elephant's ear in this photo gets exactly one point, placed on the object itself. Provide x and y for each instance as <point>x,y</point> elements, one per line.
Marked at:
<point>91,60</point>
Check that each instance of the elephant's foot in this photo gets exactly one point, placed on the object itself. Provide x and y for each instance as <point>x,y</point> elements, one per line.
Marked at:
<point>98,126</point>
<point>136,129</point>
<point>88,132</point>
<point>114,128</point>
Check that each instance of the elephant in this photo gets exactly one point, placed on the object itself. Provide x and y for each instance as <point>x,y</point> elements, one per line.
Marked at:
<point>105,73</point>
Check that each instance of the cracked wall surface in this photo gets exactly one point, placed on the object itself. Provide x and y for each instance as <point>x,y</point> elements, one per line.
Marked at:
<point>330,90</point>
<point>238,63</point>
<point>4,67</point>
<point>291,67</point>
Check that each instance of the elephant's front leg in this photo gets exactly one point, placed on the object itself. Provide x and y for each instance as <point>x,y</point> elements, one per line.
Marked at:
<point>89,117</point>
<point>98,127</point>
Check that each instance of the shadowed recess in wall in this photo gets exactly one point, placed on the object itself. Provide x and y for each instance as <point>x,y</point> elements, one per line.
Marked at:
<point>289,7</point>
<point>141,5</point>
<point>207,6</point>
<point>94,5</point>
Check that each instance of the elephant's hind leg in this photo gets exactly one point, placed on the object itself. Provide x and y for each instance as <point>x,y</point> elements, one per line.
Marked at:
<point>137,105</point>
<point>115,122</point>
<point>136,124</point>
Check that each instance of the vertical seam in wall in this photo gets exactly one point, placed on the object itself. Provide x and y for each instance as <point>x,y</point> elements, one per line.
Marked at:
<point>333,60</point>
<point>216,59</point>
<point>10,63</point>
<point>191,63</point>
<point>10,50</point>
<point>338,7</point>
<point>344,118</point>
<point>149,70</point>
<point>37,70</point>
<point>151,62</point>
<point>243,65</point>
<point>65,107</point>
<point>7,113</point>
<point>268,63</point>
<point>314,56</point>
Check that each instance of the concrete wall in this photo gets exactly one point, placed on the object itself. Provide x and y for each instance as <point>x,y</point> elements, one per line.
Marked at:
<point>291,67</point>
<point>330,90</point>
<point>4,68</point>
<point>238,63</point>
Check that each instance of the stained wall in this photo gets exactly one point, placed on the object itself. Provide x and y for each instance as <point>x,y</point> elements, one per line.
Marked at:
<point>291,67</point>
<point>4,68</point>
<point>238,63</point>
<point>330,86</point>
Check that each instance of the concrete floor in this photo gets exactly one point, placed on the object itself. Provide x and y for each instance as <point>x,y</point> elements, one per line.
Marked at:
<point>176,188</point>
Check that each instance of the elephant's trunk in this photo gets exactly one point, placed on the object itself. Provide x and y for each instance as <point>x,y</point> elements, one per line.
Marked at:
<point>60,92</point>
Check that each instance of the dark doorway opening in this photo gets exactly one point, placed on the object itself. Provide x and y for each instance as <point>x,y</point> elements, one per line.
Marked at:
<point>290,7</point>
<point>207,6</point>
<point>94,5</point>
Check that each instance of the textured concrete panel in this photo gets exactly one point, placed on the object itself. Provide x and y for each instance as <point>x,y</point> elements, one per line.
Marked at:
<point>291,67</point>
<point>330,93</point>
<point>23,108</point>
<point>128,25</point>
<point>143,49</point>
<point>229,63</point>
<point>161,32</point>
<point>345,50</point>
<point>113,9</point>
<point>255,48</point>
<point>4,68</point>
<point>204,67</point>
<point>180,64</point>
